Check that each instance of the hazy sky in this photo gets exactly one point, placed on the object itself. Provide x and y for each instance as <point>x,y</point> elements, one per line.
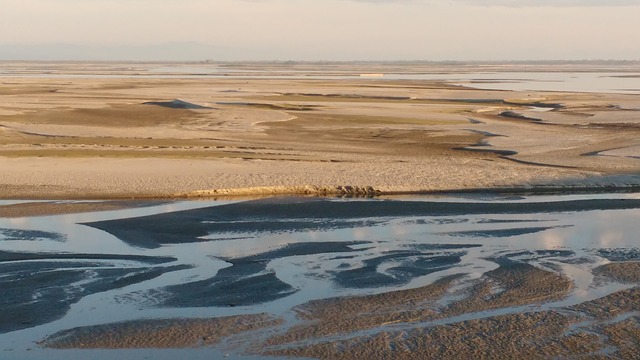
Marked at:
<point>333,29</point>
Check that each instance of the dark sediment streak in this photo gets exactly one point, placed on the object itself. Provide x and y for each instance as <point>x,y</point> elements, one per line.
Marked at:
<point>246,281</point>
<point>539,254</point>
<point>620,254</point>
<point>36,292</point>
<point>30,235</point>
<point>177,104</point>
<point>307,214</point>
<point>228,289</point>
<point>514,115</point>
<point>412,264</point>
<point>554,106</point>
<point>6,256</point>
<point>498,233</point>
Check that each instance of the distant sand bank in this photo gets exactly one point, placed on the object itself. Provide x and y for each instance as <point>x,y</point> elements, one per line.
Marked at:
<point>121,137</point>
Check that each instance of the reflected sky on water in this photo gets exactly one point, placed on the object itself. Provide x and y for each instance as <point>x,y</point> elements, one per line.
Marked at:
<point>605,82</point>
<point>352,255</point>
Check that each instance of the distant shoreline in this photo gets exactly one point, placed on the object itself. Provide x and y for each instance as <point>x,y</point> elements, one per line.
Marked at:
<point>330,62</point>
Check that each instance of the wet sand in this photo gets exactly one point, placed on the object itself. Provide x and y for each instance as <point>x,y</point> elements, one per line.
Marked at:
<point>408,324</point>
<point>174,333</point>
<point>42,208</point>
<point>69,137</point>
<point>509,301</point>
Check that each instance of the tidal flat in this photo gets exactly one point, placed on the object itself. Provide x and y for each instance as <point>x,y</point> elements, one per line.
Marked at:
<point>431,277</point>
<point>331,211</point>
<point>109,130</point>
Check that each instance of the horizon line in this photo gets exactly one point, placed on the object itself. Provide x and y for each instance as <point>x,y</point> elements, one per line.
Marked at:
<point>328,61</point>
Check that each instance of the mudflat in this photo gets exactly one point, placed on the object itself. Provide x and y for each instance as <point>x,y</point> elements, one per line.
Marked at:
<point>306,277</point>
<point>483,279</point>
<point>433,279</point>
<point>111,130</point>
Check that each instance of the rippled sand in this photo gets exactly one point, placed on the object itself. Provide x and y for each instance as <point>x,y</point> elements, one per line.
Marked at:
<point>498,290</point>
<point>407,324</point>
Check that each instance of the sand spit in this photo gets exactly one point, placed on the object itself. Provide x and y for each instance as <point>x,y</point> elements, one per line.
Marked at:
<point>351,136</point>
<point>356,191</point>
<point>24,209</point>
<point>170,333</point>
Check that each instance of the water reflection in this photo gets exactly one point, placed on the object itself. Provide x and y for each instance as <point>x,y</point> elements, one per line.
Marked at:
<point>606,82</point>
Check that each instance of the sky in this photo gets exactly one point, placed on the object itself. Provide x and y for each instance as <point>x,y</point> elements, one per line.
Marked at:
<point>339,30</point>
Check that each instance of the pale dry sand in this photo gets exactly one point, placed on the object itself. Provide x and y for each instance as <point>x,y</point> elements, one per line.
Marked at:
<point>73,137</point>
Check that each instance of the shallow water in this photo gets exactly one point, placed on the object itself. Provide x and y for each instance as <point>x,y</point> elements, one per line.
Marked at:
<point>204,259</point>
<point>604,82</point>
